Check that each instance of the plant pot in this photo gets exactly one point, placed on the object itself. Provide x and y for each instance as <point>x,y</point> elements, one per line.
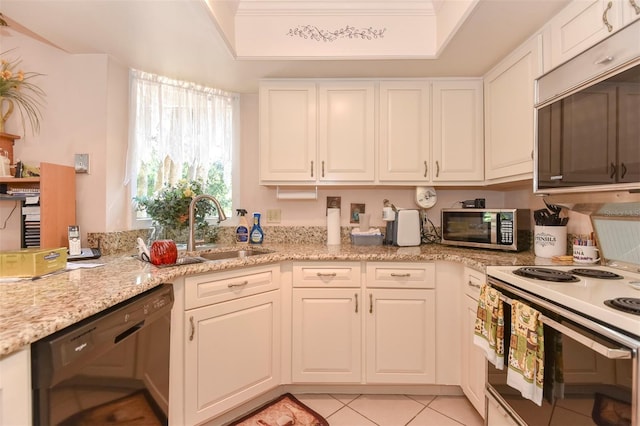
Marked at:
<point>550,241</point>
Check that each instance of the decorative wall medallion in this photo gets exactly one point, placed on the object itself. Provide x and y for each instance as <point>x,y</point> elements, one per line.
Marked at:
<point>314,33</point>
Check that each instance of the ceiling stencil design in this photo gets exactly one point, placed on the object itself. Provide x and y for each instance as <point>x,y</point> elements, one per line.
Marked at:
<point>312,32</point>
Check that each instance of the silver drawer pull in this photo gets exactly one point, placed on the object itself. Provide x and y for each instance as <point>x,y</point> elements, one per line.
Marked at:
<point>471,284</point>
<point>242,284</point>
<point>326,274</point>
<point>405,275</point>
<point>604,60</point>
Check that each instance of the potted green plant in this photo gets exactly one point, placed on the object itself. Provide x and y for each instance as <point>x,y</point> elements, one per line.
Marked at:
<point>17,89</point>
<point>168,208</point>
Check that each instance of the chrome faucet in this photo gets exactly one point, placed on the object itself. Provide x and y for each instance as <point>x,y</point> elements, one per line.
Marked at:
<point>191,243</point>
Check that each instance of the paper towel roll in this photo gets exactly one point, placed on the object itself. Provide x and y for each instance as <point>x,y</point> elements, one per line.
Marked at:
<point>333,226</point>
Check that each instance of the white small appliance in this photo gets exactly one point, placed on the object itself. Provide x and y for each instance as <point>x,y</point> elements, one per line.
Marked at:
<point>406,228</point>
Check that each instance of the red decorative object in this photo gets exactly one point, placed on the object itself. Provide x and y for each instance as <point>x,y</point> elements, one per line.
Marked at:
<point>164,252</point>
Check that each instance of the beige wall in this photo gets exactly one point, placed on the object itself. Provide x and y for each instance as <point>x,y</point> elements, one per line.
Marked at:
<point>87,112</point>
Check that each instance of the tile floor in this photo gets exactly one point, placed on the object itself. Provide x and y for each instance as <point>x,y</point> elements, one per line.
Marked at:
<point>393,410</point>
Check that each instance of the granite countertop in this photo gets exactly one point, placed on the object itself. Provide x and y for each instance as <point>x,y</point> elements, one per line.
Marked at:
<point>33,309</point>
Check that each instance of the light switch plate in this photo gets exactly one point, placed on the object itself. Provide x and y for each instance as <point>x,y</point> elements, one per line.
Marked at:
<point>82,163</point>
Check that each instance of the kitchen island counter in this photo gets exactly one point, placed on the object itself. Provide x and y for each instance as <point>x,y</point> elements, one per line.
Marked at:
<point>33,309</point>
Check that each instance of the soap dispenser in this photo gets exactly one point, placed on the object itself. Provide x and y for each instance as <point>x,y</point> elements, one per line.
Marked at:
<point>257,235</point>
<point>242,230</point>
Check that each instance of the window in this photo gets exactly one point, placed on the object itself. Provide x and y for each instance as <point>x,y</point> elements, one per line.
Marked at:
<point>180,130</point>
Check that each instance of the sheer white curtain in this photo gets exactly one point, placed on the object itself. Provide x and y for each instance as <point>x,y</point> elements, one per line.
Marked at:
<point>182,122</point>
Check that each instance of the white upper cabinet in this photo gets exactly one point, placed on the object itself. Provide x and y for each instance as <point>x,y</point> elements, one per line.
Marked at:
<point>458,153</point>
<point>365,132</point>
<point>431,131</point>
<point>405,134</point>
<point>630,11</point>
<point>313,133</point>
<point>346,134</point>
<point>509,114</point>
<point>582,24</point>
<point>288,132</point>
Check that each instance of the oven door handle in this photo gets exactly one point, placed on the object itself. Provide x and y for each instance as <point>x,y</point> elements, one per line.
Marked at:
<point>611,353</point>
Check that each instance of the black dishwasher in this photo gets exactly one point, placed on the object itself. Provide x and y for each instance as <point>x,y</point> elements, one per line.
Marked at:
<point>111,368</point>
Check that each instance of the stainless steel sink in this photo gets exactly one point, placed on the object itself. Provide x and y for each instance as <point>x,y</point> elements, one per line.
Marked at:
<point>233,254</point>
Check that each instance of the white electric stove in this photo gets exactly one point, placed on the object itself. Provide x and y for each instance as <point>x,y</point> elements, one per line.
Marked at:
<point>587,295</point>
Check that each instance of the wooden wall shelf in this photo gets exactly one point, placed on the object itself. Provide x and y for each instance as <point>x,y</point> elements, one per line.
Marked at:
<point>19,180</point>
<point>57,191</point>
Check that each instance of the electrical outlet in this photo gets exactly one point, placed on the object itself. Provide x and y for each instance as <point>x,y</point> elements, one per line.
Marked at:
<point>273,216</point>
<point>82,163</point>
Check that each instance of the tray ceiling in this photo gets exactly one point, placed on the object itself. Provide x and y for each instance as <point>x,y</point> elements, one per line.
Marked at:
<point>231,44</point>
<point>338,29</point>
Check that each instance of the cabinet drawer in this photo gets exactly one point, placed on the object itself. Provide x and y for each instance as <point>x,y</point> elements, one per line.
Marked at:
<point>201,290</point>
<point>326,274</point>
<point>472,282</point>
<point>401,275</point>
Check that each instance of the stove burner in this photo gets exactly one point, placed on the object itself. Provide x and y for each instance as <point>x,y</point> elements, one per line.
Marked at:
<point>546,274</point>
<point>596,273</point>
<point>630,305</point>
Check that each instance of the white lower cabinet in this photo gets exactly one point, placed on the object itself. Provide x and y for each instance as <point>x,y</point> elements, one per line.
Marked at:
<point>15,388</point>
<point>327,336</point>
<point>474,364</point>
<point>232,347</point>
<point>400,336</point>
<point>397,313</point>
<point>326,325</point>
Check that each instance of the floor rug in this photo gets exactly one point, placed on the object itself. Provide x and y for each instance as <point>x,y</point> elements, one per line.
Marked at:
<point>285,410</point>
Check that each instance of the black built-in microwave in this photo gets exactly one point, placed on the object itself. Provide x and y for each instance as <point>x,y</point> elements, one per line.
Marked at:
<point>588,119</point>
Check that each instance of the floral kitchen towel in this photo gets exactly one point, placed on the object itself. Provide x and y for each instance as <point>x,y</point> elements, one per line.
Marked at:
<point>526,352</point>
<point>489,329</point>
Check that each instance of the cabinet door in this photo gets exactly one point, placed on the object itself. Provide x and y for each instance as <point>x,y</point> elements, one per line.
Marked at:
<point>458,145</point>
<point>588,136</point>
<point>628,132</point>
<point>581,25</point>
<point>15,388</point>
<point>509,112</point>
<point>474,363</point>
<point>346,132</point>
<point>288,132</point>
<point>630,11</point>
<point>549,148</point>
<point>326,335</point>
<point>404,132</point>
<point>400,336</point>
<point>232,354</point>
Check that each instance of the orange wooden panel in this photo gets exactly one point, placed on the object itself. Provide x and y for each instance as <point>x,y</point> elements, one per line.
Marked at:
<point>57,204</point>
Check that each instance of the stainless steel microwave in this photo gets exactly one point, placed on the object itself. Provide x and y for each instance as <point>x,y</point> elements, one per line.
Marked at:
<point>588,119</point>
<point>498,229</point>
